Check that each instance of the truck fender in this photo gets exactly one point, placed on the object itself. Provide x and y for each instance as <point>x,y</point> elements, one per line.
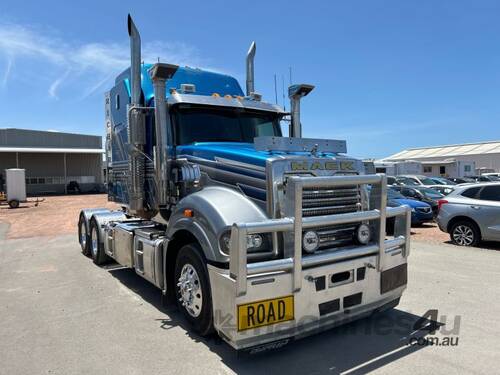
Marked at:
<point>214,209</point>
<point>87,213</point>
<point>104,217</point>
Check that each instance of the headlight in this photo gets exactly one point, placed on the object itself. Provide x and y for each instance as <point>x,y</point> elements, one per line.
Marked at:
<point>363,234</point>
<point>310,241</point>
<point>255,242</point>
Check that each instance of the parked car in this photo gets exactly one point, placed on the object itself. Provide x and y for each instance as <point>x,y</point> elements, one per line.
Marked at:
<point>391,180</point>
<point>443,189</point>
<point>442,181</point>
<point>414,179</point>
<point>461,180</point>
<point>485,178</point>
<point>421,212</point>
<point>471,213</point>
<point>423,194</point>
<point>495,174</point>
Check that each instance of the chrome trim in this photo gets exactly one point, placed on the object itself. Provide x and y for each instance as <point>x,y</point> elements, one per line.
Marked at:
<point>239,164</point>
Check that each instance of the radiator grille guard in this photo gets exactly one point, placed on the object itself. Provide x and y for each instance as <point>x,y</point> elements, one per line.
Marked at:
<point>297,191</point>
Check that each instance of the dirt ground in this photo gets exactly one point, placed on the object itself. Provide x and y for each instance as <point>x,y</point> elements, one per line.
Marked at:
<point>52,216</point>
<point>59,215</point>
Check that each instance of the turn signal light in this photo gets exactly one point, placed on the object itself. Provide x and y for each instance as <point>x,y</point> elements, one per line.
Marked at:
<point>188,213</point>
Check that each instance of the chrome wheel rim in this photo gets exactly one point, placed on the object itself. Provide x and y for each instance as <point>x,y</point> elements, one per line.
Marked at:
<point>83,235</point>
<point>94,244</point>
<point>463,235</point>
<point>191,297</point>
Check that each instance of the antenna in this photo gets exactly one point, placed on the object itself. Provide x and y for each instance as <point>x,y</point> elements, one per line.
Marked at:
<point>283,90</point>
<point>275,91</point>
<point>290,72</point>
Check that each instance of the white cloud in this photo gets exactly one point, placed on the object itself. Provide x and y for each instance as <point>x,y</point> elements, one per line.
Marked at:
<point>90,65</point>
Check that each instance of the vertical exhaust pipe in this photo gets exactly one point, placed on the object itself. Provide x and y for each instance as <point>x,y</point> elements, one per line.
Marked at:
<point>250,69</point>
<point>135,61</point>
<point>296,93</point>
<point>159,74</point>
<point>136,127</point>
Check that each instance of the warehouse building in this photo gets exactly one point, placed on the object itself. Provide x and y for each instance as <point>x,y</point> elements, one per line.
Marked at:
<point>53,161</point>
<point>454,160</point>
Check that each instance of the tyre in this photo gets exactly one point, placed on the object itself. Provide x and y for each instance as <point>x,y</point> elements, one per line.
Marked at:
<point>96,246</point>
<point>14,203</point>
<point>192,289</point>
<point>83,236</point>
<point>465,233</point>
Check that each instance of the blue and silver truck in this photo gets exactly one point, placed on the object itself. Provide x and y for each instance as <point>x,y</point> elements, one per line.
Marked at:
<point>257,237</point>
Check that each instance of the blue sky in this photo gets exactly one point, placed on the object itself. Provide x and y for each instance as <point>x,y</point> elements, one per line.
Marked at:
<point>389,74</point>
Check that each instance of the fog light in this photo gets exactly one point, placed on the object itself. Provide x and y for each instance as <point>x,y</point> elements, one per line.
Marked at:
<point>363,234</point>
<point>310,241</point>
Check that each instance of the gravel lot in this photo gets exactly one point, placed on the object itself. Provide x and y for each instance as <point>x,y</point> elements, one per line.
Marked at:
<point>61,314</point>
<point>54,215</point>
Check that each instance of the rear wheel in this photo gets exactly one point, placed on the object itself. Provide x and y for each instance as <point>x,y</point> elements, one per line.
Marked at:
<point>83,236</point>
<point>96,247</point>
<point>192,289</point>
<point>465,233</point>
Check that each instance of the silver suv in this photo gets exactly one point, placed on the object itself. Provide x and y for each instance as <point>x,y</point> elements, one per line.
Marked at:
<point>471,213</point>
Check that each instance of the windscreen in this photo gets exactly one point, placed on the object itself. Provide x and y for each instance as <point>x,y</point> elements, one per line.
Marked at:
<point>212,124</point>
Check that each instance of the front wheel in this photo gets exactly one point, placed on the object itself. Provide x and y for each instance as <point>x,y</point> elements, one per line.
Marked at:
<point>465,233</point>
<point>192,289</point>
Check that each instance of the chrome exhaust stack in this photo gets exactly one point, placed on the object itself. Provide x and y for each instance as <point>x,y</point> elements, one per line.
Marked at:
<point>135,61</point>
<point>159,74</point>
<point>250,69</point>
<point>136,127</point>
<point>296,93</point>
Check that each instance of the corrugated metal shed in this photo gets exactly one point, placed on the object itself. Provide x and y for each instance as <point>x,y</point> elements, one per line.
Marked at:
<point>481,148</point>
<point>46,139</point>
<point>47,150</point>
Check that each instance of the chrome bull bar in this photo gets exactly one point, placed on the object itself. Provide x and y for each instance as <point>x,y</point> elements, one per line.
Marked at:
<point>293,261</point>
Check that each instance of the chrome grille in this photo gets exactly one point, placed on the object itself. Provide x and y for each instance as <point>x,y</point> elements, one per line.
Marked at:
<point>328,201</point>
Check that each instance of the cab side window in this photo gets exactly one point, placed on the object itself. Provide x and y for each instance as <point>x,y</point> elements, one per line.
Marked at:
<point>490,193</point>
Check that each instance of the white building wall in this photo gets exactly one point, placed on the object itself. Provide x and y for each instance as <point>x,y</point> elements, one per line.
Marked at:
<point>491,161</point>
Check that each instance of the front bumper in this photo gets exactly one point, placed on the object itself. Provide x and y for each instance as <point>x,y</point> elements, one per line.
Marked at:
<point>355,280</point>
<point>314,310</point>
<point>420,218</point>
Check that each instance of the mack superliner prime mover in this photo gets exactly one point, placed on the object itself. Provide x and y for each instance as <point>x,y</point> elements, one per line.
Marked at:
<point>258,237</point>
